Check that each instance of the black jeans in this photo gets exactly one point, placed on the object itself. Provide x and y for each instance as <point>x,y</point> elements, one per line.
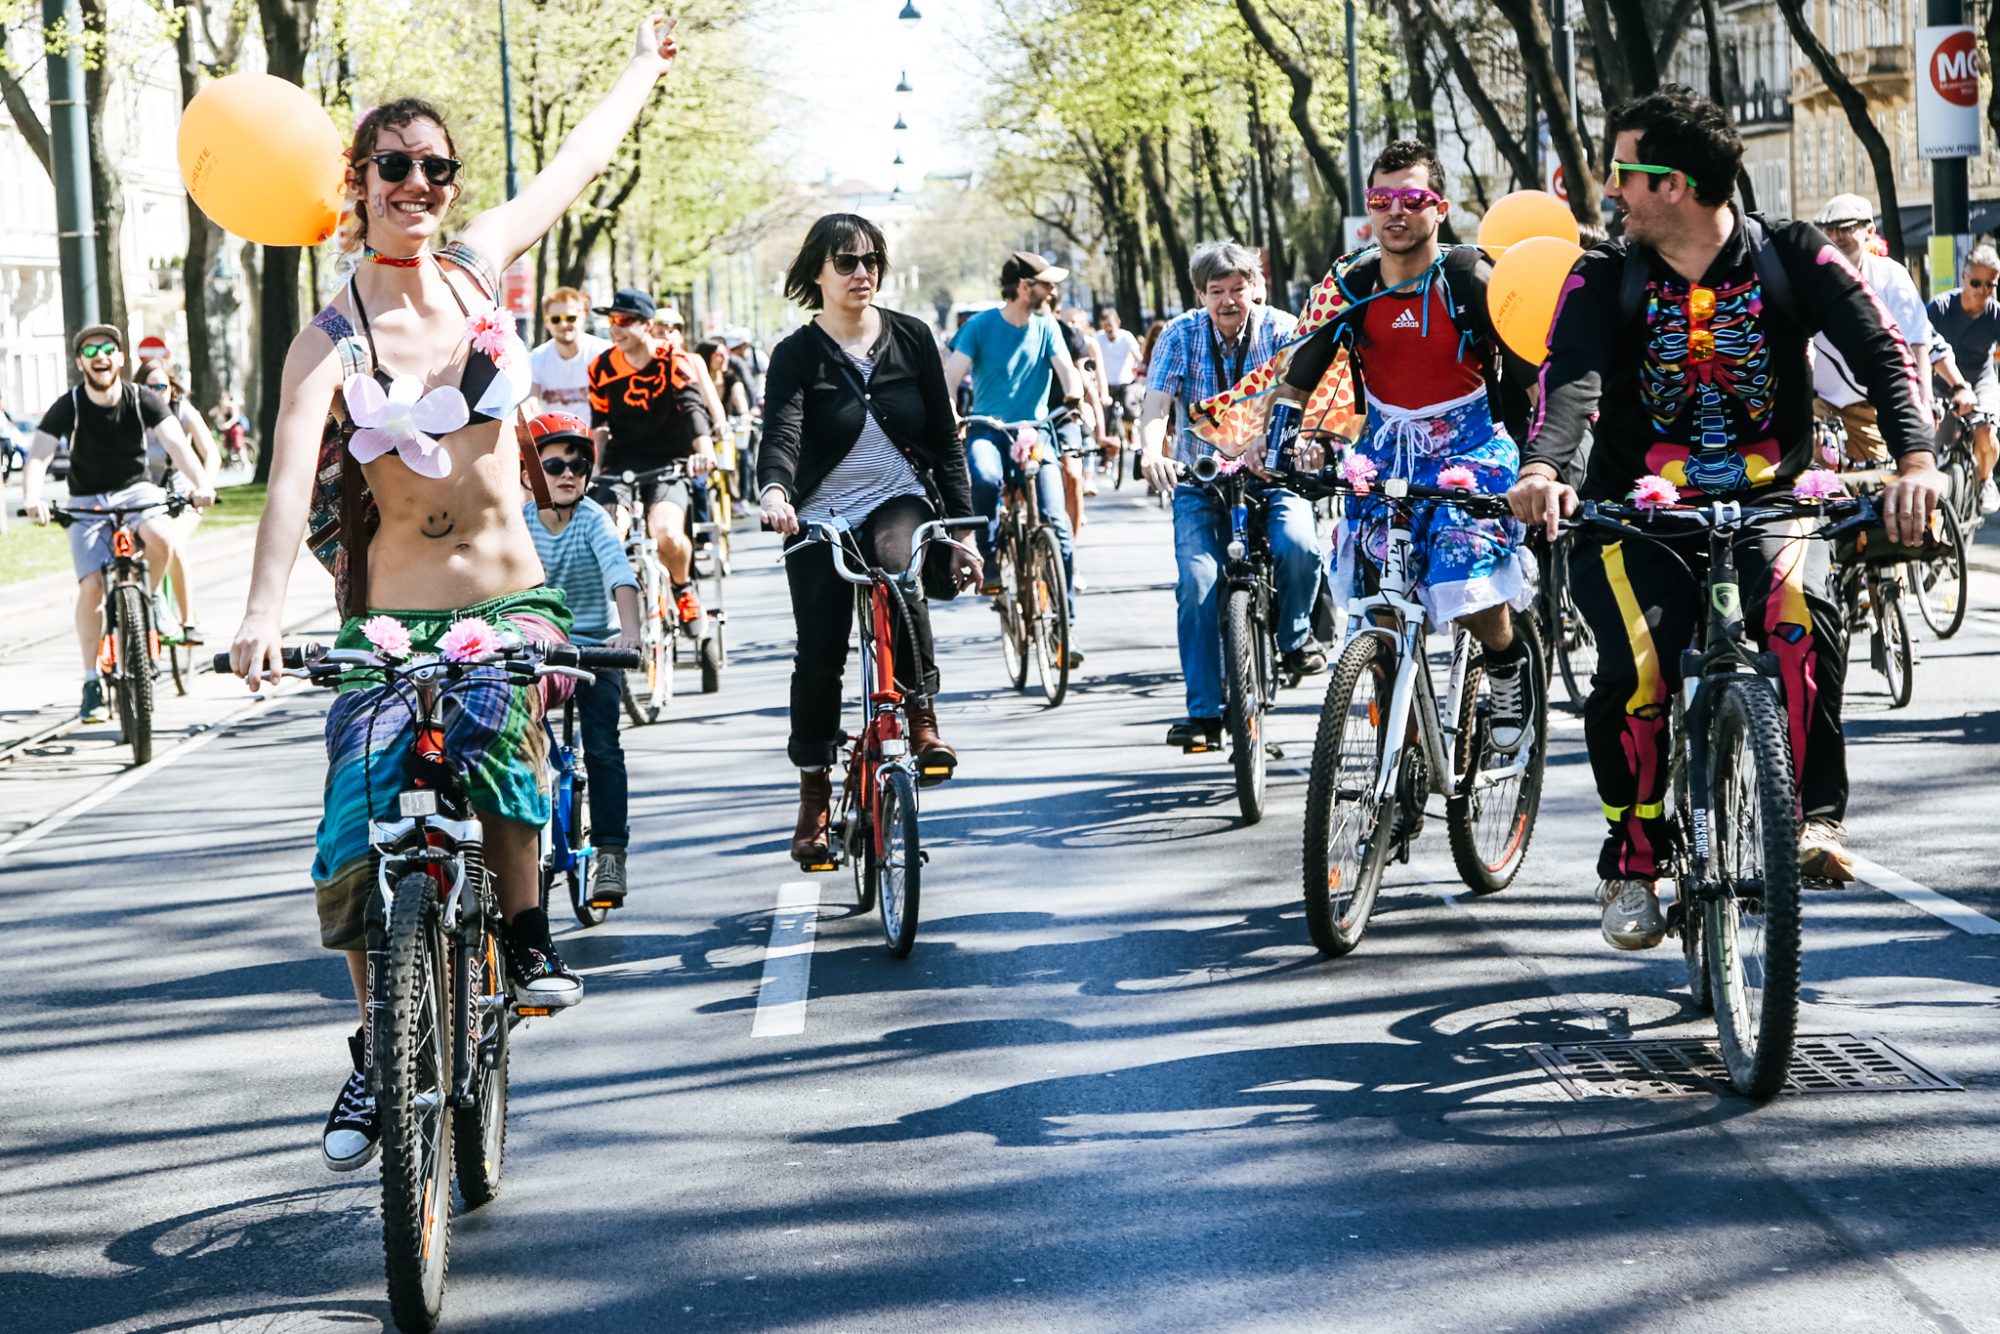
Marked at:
<point>597,705</point>
<point>823,612</point>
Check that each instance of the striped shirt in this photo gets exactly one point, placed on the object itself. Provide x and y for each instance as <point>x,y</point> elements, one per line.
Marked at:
<point>873,473</point>
<point>586,561</point>
<point>1190,363</point>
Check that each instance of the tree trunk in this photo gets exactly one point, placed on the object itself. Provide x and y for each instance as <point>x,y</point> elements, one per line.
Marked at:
<point>1711,22</point>
<point>204,238</point>
<point>1323,158</point>
<point>1614,80</point>
<point>1675,29</point>
<point>1465,146</point>
<point>1635,41</point>
<point>287,39</point>
<point>1274,232</point>
<point>1483,106</point>
<point>1169,228</point>
<point>21,110</point>
<point>1856,106</point>
<point>1415,27</point>
<point>107,192</point>
<point>1211,152</point>
<point>1531,26</point>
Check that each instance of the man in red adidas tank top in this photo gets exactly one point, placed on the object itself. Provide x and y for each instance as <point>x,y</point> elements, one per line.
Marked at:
<point>1412,317</point>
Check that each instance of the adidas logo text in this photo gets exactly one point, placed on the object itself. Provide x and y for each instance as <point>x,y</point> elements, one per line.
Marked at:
<point>1406,320</point>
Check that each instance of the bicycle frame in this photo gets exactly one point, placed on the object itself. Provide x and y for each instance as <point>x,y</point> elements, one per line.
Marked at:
<point>1249,564</point>
<point>881,742</point>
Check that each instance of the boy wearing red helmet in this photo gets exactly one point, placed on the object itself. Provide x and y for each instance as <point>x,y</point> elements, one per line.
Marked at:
<point>581,555</point>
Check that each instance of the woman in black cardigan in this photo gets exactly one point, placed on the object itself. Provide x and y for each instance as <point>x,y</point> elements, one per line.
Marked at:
<point>857,422</point>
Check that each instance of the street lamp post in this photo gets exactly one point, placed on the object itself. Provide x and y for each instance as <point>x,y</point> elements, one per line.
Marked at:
<point>1354,182</point>
<point>76,230</point>
<point>507,104</point>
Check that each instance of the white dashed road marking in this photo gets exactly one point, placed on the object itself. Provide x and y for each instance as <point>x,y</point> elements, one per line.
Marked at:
<point>781,996</point>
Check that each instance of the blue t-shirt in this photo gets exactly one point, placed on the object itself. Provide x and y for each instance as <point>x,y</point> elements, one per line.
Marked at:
<point>586,561</point>
<point>1010,366</point>
<point>1972,337</point>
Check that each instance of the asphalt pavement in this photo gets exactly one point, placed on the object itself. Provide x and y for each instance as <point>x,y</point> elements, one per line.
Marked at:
<point>1113,1088</point>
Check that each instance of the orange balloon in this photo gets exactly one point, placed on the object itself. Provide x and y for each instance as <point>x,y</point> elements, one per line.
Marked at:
<point>1523,215</point>
<point>1526,286</point>
<point>263,160</point>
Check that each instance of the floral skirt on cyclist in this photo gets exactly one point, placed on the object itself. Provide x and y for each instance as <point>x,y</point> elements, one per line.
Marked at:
<point>491,725</point>
<point>1461,564</point>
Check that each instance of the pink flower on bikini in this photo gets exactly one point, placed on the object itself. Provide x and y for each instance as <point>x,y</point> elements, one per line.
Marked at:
<point>1358,470</point>
<point>469,640</point>
<point>491,333</point>
<point>1654,492</point>
<point>1818,484</point>
<point>1458,477</point>
<point>389,636</point>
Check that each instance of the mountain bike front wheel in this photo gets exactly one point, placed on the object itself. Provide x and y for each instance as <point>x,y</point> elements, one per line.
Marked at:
<point>1014,646</point>
<point>133,613</point>
<point>1346,840</point>
<point>1492,823</point>
<point>413,1064</point>
<point>479,1146</point>
<point>897,864</point>
<point>1751,927</point>
<point>1243,632</point>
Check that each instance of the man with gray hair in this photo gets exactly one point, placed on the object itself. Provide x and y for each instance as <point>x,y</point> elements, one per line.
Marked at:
<point>1968,318</point>
<point>1199,355</point>
<point>1849,222</point>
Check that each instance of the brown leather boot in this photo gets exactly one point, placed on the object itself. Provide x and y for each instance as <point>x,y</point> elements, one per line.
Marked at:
<point>935,760</point>
<point>809,841</point>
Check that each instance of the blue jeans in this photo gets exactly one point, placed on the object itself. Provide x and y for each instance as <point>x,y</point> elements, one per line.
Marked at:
<point>598,703</point>
<point>1201,532</point>
<point>987,457</point>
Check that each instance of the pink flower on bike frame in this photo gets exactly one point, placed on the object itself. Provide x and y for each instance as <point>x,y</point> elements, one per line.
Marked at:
<point>469,640</point>
<point>389,636</point>
<point>489,331</point>
<point>1027,445</point>
<point>1654,492</point>
<point>1458,477</point>
<point>1818,484</point>
<point>1358,470</point>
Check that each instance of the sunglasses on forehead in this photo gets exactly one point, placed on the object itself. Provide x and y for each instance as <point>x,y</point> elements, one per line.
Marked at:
<point>844,263</point>
<point>395,167</point>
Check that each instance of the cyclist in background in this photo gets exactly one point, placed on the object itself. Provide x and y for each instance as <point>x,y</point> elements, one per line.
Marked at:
<point>1685,344</point>
<point>1119,354</point>
<point>560,367</point>
<point>1012,351</point>
<point>1968,318</point>
<point>105,421</point>
<point>648,411</point>
<point>160,471</point>
<point>1849,222</point>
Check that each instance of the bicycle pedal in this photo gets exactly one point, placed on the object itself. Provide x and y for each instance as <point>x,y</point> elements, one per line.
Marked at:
<point>603,903</point>
<point>1274,750</point>
<point>817,867</point>
<point>533,1011</point>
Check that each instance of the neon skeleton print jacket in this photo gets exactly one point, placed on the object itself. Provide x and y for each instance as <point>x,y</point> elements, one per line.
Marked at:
<point>1707,384</point>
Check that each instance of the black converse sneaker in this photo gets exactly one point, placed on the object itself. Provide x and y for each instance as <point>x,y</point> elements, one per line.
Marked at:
<point>354,1127</point>
<point>1511,685</point>
<point>534,970</point>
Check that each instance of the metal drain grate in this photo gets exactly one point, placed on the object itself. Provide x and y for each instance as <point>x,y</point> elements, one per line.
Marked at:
<point>1830,1063</point>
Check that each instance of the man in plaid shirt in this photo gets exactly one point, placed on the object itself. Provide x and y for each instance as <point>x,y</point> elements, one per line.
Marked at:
<point>1201,354</point>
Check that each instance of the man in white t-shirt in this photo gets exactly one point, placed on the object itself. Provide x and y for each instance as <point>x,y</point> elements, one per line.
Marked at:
<point>560,367</point>
<point>1118,355</point>
<point>1849,222</point>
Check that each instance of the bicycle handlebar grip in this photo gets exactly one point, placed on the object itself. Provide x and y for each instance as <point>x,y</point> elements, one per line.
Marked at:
<point>601,657</point>
<point>966,525</point>
<point>295,658</point>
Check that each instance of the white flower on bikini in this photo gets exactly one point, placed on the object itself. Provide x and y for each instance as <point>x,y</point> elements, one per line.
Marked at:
<point>407,419</point>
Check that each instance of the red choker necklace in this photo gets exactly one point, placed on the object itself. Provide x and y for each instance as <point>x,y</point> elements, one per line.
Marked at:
<point>394,262</point>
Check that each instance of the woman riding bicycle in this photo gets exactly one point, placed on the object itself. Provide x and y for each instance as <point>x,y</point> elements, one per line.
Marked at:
<point>154,375</point>
<point>858,423</point>
<point>449,543</point>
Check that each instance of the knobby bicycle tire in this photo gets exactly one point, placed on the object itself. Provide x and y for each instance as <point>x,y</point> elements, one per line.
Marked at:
<point>1049,595</point>
<point>1014,647</point>
<point>479,1147</point>
<point>135,668</point>
<point>1488,852</point>
<point>413,1056</point>
<point>1243,704</point>
<point>1346,839</point>
<point>1753,957</point>
<point>1942,585</point>
<point>897,868</point>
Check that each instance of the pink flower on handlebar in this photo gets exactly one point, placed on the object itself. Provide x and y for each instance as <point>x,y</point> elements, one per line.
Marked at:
<point>1818,484</point>
<point>1458,477</point>
<point>1224,465</point>
<point>468,640</point>
<point>1358,470</point>
<point>389,636</point>
<point>1027,443</point>
<point>1654,492</point>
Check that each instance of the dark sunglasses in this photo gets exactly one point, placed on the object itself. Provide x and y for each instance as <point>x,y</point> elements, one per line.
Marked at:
<point>562,319</point>
<point>844,263</point>
<point>92,351</point>
<point>1974,283</point>
<point>395,166</point>
<point>1414,200</point>
<point>557,466</point>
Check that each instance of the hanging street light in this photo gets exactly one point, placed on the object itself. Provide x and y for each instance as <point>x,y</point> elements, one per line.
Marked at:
<point>903,84</point>
<point>908,18</point>
<point>899,122</point>
<point>899,159</point>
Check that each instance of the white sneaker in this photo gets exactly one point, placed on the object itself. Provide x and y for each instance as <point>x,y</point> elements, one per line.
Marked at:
<point>1632,918</point>
<point>1989,496</point>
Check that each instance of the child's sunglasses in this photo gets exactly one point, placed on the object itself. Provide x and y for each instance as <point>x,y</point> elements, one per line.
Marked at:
<point>395,167</point>
<point>557,466</point>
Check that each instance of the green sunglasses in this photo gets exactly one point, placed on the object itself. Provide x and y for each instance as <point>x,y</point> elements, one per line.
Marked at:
<point>90,351</point>
<point>1648,169</point>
